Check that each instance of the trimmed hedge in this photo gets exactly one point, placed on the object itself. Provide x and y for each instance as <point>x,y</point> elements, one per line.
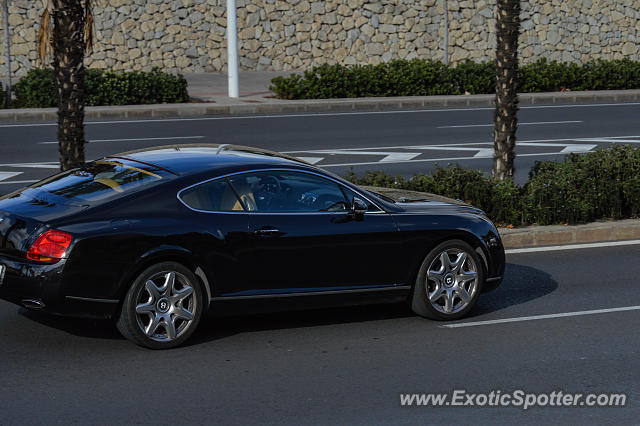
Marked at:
<point>425,77</point>
<point>3,96</point>
<point>37,88</point>
<point>603,184</point>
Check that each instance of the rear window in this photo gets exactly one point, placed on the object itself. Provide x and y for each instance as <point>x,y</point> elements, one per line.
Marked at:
<point>101,180</point>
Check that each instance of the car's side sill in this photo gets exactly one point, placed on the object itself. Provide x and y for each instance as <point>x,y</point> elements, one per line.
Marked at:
<point>89,299</point>
<point>313,293</point>
<point>490,280</point>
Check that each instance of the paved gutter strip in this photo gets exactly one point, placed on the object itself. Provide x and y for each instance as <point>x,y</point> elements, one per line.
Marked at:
<point>540,236</point>
<point>226,106</point>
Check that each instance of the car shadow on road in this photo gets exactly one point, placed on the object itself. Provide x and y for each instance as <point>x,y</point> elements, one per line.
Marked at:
<point>522,284</point>
<point>96,329</point>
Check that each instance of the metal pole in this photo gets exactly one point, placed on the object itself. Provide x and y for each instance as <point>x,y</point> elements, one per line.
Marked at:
<point>6,46</point>
<point>232,49</point>
<point>446,32</point>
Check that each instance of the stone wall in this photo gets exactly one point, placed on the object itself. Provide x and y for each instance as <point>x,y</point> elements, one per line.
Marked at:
<point>189,35</point>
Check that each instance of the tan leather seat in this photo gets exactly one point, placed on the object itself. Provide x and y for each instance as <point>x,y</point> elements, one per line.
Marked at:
<point>230,201</point>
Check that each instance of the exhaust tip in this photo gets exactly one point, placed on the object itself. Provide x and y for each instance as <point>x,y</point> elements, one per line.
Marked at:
<point>33,304</point>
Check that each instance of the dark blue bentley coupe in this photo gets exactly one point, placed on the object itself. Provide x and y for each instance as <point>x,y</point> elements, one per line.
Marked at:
<point>157,237</point>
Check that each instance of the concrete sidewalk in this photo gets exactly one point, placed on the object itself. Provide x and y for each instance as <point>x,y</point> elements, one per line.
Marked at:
<point>254,88</point>
<point>255,98</point>
<point>213,87</point>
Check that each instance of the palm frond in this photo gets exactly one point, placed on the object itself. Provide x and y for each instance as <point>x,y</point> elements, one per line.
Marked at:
<point>89,27</point>
<point>45,35</point>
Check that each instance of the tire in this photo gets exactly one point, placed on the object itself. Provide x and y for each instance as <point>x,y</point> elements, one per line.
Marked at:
<point>163,307</point>
<point>449,282</point>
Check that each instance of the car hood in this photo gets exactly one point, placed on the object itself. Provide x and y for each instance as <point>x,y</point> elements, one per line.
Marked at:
<point>414,201</point>
<point>437,204</point>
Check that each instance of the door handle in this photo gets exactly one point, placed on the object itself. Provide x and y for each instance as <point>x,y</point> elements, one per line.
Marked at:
<point>268,232</point>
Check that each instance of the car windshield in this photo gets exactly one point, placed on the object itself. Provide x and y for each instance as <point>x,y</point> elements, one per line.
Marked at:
<point>101,180</point>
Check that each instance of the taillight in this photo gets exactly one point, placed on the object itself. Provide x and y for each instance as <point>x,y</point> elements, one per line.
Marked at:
<point>50,247</point>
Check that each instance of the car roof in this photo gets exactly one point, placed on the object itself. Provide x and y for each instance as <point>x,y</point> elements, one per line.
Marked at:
<point>195,158</point>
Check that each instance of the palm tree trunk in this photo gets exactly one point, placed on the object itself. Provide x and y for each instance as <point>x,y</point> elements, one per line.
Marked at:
<point>68,66</point>
<point>505,116</point>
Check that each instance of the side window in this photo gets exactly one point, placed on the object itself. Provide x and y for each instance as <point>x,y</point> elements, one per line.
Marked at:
<point>284,191</point>
<point>216,195</point>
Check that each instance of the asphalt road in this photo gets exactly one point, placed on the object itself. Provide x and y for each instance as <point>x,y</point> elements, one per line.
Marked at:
<point>344,366</point>
<point>404,142</point>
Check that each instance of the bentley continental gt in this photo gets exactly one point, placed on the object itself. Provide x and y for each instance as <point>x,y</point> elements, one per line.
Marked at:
<point>155,238</point>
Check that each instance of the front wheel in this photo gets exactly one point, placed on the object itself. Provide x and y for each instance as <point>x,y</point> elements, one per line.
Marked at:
<point>163,306</point>
<point>449,282</point>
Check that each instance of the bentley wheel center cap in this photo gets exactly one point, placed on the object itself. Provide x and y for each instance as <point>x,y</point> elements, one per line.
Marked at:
<point>163,305</point>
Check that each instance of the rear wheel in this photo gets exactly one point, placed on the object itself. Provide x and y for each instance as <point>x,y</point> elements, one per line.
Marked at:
<point>163,306</point>
<point>449,281</point>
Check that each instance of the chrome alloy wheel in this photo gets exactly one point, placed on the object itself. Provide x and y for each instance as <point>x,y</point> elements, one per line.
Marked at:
<point>452,281</point>
<point>166,306</point>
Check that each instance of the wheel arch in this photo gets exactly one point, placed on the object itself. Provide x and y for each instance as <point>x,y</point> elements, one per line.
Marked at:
<point>463,235</point>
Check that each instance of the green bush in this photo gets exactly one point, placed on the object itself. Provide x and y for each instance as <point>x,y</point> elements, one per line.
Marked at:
<point>37,88</point>
<point>600,184</point>
<point>603,184</point>
<point>419,77</point>
<point>3,97</point>
<point>500,200</point>
<point>132,88</point>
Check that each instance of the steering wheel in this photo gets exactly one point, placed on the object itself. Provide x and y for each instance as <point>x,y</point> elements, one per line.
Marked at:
<point>271,185</point>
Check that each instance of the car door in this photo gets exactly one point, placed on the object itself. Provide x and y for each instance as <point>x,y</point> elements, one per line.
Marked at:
<point>305,238</point>
<point>224,244</point>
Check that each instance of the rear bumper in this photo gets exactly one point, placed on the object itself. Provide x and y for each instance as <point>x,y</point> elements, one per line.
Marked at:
<point>40,287</point>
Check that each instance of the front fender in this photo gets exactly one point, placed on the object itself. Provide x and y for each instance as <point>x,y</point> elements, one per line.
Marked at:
<point>421,233</point>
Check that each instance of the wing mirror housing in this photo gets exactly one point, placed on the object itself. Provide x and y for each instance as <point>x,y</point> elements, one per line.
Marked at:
<point>358,208</point>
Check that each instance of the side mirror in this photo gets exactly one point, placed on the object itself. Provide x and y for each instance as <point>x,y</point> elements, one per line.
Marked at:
<point>358,208</point>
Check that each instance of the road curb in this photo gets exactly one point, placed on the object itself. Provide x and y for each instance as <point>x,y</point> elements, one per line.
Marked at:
<point>553,235</point>
<point>228,107</point>
<point>540,236</point>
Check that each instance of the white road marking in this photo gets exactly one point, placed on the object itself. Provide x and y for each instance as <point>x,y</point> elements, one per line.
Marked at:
<point>34,165</point>
<point>389,157</point>
<point>519,124</point>
<point>540,317</point>
<point>612,140</point>
<point>327,114</point>
<point>481,152</point>
<point>29,164</point>
<point>568,148</point>
<point>18,181</point>
<point>405,157</point>
<point>578,148</point>
<point>573,247</point>
<point>131,139</point>
<point>435,160</point>
<point>8,175</point>
<point>529,142</point>
<point>484,153</point>
<point>312,160</point>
